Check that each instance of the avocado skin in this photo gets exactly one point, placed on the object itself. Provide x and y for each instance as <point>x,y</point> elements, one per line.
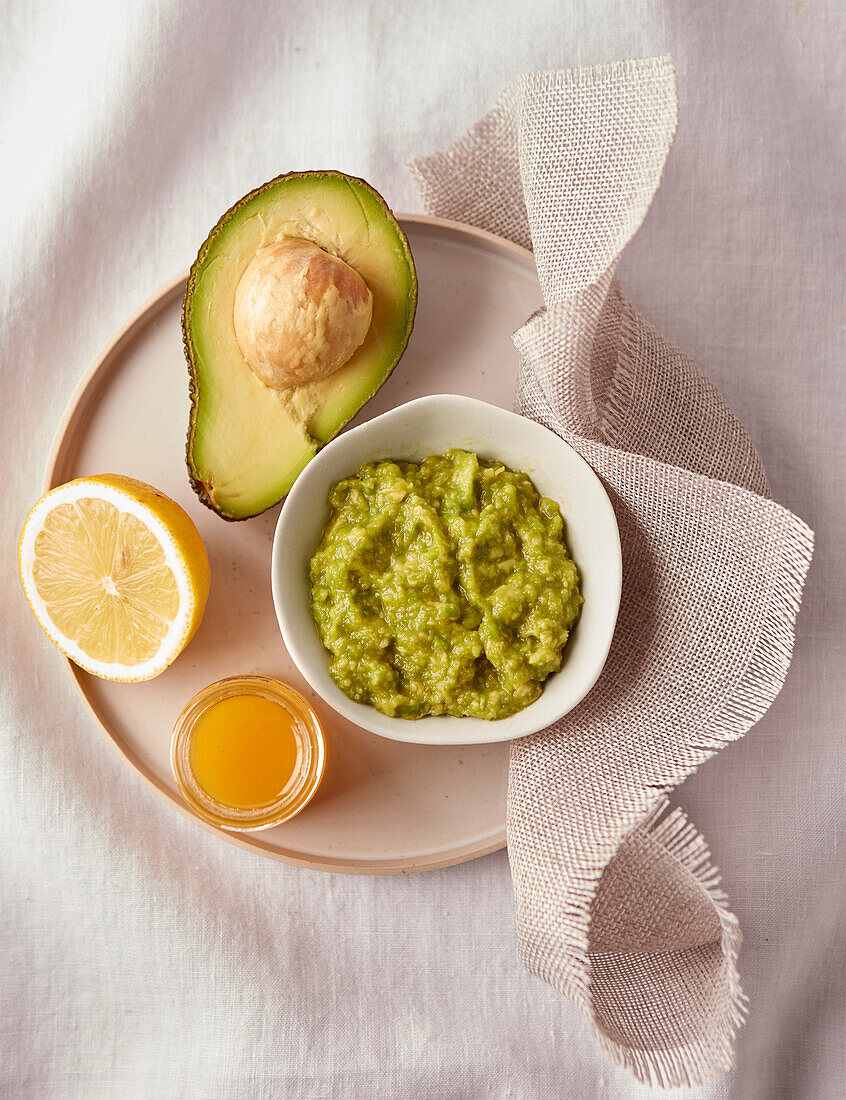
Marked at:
<point>195,479</point>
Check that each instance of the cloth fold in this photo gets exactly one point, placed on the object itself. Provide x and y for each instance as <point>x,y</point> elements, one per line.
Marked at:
<point>618,904</point>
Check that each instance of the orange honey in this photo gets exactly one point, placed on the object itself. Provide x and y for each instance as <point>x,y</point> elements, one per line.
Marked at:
<point>244,751</point>
<point>247,753</point>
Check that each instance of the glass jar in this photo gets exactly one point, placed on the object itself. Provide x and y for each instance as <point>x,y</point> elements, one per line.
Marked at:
<point>228,754</point>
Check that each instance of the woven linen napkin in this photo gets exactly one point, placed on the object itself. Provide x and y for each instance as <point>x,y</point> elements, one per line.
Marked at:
<point>617,901</point>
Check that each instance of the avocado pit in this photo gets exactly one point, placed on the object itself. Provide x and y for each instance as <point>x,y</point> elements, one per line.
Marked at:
<point>299,313</point>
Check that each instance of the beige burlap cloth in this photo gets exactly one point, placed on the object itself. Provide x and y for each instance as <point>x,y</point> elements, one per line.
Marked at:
<point>617,901</point>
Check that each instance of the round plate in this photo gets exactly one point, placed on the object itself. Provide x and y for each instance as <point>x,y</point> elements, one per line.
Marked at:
<point>384,806</point>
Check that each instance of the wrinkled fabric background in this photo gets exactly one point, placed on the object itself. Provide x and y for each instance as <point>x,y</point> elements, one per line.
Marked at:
<point>143,957</point>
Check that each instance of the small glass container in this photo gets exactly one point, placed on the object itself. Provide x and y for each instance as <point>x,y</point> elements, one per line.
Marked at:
<point>308,746</point>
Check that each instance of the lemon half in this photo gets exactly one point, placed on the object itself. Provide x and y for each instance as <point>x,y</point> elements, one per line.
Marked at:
<point>116,574</point>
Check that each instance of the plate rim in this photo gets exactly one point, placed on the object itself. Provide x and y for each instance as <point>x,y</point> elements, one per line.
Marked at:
<point>74,419</point>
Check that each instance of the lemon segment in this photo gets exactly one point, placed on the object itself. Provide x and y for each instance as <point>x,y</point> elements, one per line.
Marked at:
<point>116,574</point>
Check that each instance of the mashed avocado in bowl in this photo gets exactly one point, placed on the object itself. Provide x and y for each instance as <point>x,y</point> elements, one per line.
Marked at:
<point>443,587</point>
<point>389,563</point>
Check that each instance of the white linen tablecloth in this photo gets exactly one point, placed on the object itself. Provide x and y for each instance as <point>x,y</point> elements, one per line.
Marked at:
<point>143,957</point>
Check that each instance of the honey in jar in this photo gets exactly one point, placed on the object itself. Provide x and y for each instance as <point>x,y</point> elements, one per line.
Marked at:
<point>247,753</point>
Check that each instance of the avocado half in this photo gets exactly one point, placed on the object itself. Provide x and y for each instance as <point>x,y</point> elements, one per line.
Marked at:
<point>248,442</point>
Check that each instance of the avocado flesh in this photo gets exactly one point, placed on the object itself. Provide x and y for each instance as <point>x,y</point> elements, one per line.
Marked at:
<point>247,442</point>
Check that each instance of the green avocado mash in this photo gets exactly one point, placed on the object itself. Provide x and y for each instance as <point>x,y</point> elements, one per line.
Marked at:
<point>443,587</point>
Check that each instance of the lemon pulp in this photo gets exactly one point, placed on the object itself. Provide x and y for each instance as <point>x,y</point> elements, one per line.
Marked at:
<point>104,581</point>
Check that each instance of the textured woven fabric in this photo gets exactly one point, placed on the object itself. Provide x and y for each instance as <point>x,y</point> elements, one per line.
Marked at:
<point>617,901</point>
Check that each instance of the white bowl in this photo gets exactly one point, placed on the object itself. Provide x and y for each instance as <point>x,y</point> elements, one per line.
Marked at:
<point>412,431</point>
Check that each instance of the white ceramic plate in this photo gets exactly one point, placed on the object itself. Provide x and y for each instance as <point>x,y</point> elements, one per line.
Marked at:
<point>383,807</point>
<point>428,426</point>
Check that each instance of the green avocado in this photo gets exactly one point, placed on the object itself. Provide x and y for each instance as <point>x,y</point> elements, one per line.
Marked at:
<point>247,441</point>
